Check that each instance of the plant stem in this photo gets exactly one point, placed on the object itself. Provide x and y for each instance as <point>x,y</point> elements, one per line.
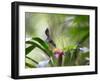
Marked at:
<point>60,60</point>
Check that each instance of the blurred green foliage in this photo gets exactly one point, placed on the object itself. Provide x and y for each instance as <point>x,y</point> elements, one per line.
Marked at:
<point>70,33</point>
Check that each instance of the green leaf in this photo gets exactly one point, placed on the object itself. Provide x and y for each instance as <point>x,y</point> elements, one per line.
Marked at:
<point>44,44</point>
<point>82,19</point>
<point>30,65</point>
<point>82,59</point>
<point>67,58</point>
<point>32,59</point>
<point>51,62</point>
<point>75,55</point>
<point>76,33</point>
<point>29,49</point>
<point>48,52</point>
<point>84,38</point>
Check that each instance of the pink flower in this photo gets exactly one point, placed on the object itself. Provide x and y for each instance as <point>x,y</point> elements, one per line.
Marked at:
<point>58,53</point>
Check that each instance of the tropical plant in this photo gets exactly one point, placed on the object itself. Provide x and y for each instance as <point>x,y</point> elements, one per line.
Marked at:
<point>66,44</point>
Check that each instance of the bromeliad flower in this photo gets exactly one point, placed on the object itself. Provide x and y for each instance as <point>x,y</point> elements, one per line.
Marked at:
<point>58,53</point>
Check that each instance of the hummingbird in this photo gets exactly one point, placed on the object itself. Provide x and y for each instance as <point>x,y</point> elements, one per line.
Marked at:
<point>58,53</point>
<point>49,39</point>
